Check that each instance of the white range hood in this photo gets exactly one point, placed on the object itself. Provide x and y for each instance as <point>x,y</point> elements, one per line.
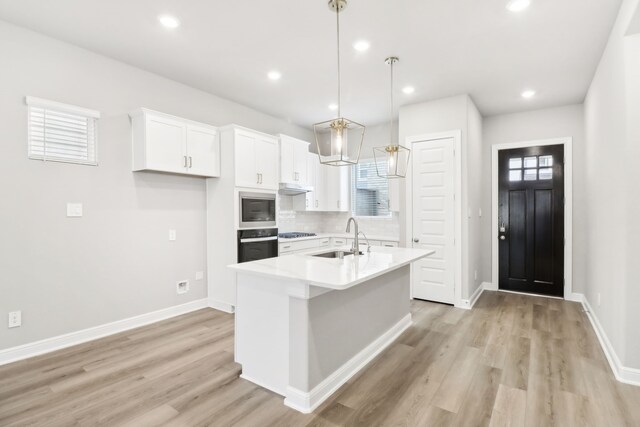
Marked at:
<point>289,189</point>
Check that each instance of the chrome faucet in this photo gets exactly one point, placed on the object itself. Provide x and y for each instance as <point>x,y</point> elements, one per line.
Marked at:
<point>368,243</point>
<point>356,242</point>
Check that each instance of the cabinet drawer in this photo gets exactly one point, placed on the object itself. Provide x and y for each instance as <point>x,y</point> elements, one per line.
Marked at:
<point>339,241</point>
<point>287,247</point>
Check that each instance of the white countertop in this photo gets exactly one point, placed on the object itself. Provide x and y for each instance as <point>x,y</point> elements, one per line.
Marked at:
<point>333,273</point>
<point>341,236</point>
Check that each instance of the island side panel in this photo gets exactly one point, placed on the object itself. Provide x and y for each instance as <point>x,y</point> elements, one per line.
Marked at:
<point>262,331</point>
<point>327,331</point>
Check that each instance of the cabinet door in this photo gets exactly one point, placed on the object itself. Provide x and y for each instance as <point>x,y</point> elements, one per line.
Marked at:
<point>267,161</point>
<point>166,144</point>
<point>203,151</point>
<point>337,188</point>
<point>245,161</point>
<point>300,155</point>
<point>287,152</point>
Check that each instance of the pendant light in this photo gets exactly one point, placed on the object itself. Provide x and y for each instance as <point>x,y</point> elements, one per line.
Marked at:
<point>392,160</point>
<point>338,140</point>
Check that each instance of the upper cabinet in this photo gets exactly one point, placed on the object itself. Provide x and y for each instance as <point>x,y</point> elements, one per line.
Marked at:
<point>331,188</point>
<point>256,159</point>
<point>166,143</point>
<point>293,160</point>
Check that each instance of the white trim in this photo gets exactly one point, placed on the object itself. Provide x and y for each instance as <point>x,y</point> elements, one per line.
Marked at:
<point>306,402</point>
<point>487,286</point>
<point>457,137</point>
<point>262,384</point>
<point>622,373</point>
<point>528,294</point>
<point>48,345</point>
<point>45,103</point>
<point>468,304</point>
<point>222,306</point>
<point>568,206</point>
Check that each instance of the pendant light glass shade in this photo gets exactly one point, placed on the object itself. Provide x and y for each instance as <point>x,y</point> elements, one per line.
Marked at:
<point>392,161</point>
<point>338,140</point>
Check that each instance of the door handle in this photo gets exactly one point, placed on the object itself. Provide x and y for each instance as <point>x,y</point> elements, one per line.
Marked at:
<point>416,240</point>
<point>190,162</point>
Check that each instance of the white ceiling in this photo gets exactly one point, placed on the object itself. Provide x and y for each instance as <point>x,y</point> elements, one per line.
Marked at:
<point>446,47</point>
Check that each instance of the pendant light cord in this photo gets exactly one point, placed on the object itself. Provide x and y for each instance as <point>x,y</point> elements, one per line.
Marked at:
<point>391,61</point>
<point>338,50</point>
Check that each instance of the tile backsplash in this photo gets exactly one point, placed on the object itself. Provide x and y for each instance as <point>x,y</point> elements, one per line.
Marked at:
<point>332,222</point>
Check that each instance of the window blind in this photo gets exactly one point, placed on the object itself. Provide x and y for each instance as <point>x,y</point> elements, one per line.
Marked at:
<point>61,132</point>
<point>369,192</point>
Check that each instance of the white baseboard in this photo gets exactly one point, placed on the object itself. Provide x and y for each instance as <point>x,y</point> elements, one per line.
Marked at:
<point>622,373</point>
<point>468,304</point>
<point>222,306</point>
<point>488,286</point>
<point>48,345</point>
<point>306,402</point>
<point>575,297</point>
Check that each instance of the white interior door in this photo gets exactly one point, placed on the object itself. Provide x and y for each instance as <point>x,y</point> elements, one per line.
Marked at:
<point>433,182</point>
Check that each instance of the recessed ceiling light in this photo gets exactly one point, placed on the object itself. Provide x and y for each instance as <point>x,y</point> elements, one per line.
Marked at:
<point>333,107</point>
<point>518,5</point>
<point>169,21</point>
<point>528,94</point>
<point>274,75</point>
<point>408,89</point>
<point>361,45</point>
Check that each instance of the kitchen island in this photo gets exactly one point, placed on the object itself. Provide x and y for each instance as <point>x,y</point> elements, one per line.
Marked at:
<point>305,324</point>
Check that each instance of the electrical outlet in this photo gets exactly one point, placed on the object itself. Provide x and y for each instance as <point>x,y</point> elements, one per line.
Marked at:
<point>182,287</point>
<point>172,235</point>
<point>199,275</point>
<point>598,299</point>
<point>74,210</point>
<point>15,319</point>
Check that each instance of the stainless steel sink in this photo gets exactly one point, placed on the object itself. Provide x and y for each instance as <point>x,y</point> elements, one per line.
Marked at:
<point>336,254</point>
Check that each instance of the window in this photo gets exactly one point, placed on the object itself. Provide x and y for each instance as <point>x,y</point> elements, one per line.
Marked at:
<point>535,168</point>
<point>369,192</point>
<point>62,133</point>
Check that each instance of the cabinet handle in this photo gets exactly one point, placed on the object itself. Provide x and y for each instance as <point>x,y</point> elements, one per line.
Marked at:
<point>286,247</point>
<point>258,178</point>
<point>338,204</point>
<point>185,161</point>
<point>316,203</point>
<point>190,162</point>
<point>306,203</point>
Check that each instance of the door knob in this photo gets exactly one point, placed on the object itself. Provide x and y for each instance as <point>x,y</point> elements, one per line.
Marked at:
<point>502,237</point>
<point>416,240</point>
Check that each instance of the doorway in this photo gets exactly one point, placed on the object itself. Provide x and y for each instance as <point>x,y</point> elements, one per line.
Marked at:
<point>531,220</point>
<point>531,244</point>
<point>433,216</point>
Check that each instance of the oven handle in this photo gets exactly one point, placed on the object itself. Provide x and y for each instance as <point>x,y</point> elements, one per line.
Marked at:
<point>259,239</point>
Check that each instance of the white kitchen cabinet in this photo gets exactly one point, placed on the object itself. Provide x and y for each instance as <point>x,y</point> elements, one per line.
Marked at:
<point>166,143</point>
<point>256,160</point>
<point>336,192</point>
<point>331,188</point>
<point>293,160</point>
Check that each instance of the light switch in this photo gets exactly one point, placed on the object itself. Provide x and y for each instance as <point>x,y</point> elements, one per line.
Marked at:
<point>74,210</point>
<point>172,235</point>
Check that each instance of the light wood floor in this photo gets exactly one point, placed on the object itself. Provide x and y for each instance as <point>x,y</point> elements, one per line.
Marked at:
<point>513,360</point>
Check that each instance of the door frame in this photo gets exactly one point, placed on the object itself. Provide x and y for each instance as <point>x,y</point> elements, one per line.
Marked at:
<point>567,142</point>
<point>456,135</point>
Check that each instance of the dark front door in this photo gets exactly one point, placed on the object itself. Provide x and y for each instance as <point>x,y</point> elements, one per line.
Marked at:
<point>531,219</point>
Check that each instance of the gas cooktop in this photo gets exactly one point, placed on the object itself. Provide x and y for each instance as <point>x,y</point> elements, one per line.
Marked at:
<point>294,235</point>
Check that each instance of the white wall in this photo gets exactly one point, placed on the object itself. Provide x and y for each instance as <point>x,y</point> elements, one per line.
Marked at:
<point>453,113</point>
<point>116,261</point>
<point>611,173</point>
<point>567,121</point>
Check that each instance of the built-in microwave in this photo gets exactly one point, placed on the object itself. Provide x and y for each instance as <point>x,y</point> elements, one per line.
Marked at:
<point>257,210</point>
